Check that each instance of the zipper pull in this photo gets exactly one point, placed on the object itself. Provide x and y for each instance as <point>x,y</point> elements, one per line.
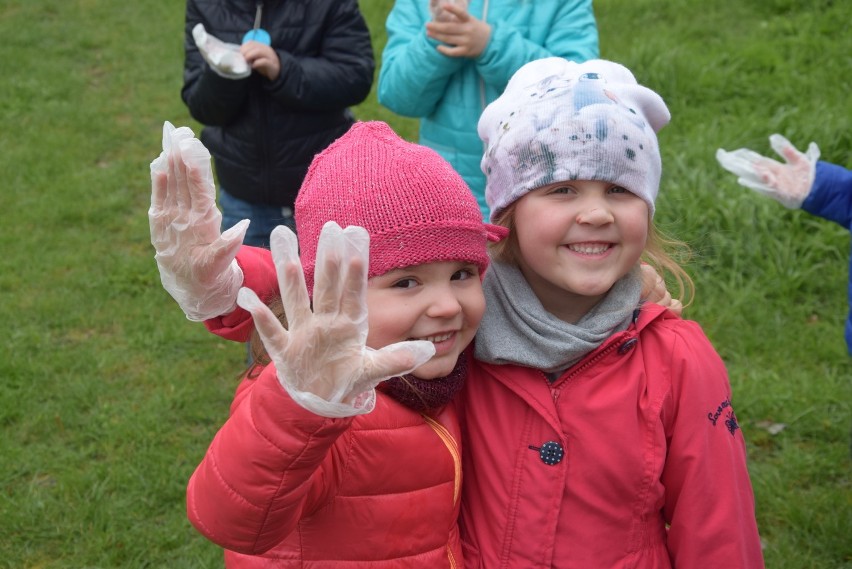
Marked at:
<point>257,33</point>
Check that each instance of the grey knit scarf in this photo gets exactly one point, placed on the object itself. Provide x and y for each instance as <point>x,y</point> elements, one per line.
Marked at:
<point>517,329</point>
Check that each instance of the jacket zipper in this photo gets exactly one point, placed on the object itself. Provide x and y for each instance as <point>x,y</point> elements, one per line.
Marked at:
<point>451,557</point>
<point>557,390</point>
<point>258,15</point>
<point>451,445</point>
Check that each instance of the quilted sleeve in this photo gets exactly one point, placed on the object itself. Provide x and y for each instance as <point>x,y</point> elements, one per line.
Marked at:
<point>210,98</point>
<point>571,33</point>
<point>269,465</point>
<point>259,275</point>
<point>411,64</point>
<point>339,74</point>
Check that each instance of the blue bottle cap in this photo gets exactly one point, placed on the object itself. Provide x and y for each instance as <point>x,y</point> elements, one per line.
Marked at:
<point>258,35</point>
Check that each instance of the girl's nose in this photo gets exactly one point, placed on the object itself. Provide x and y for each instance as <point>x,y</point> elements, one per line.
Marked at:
<point>595,215</point>
<point>443,303</point>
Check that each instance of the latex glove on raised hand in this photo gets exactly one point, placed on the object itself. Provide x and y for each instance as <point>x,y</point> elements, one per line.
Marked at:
<point>196,261</point>
<point>788,183</point>
<point>223,58</point>
<point>322,359</point>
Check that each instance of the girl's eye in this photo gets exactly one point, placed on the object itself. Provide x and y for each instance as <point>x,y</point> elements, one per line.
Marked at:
<point>562,190</point>
<point>405,283</point>
<point>464,274</point>
<point>618,190</point>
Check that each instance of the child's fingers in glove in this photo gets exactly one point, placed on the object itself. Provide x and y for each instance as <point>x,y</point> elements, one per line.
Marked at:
<point>397,359</point>
<point>329,270</point>
<point>291,278</point>
<point>272,333</point>
<point>199,172</point>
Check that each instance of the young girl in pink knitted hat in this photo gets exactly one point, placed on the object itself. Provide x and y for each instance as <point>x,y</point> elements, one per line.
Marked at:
<point>324,463</point>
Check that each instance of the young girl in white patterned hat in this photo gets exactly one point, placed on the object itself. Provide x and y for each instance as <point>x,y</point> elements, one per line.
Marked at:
<point>599,429</point>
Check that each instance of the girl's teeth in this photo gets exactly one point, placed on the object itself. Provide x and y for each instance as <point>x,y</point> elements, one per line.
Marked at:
<point>440,338</point>
<point>589,249</point>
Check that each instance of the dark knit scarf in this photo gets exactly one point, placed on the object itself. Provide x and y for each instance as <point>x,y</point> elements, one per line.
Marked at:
<point>425,395</point>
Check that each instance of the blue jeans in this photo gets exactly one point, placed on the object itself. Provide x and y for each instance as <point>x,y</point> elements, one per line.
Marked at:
<point>264,218</point>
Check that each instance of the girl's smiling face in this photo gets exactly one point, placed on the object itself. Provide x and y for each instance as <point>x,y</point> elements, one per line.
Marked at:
<point>576,239</point>
<point>439,302</point>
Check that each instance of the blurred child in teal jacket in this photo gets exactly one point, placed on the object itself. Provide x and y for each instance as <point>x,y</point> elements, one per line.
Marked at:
<point>445,71</point>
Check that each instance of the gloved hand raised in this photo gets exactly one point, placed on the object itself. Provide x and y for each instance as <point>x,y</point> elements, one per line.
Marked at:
<point>788,183</point>
<point>196,262</point>
<point>321,358</point>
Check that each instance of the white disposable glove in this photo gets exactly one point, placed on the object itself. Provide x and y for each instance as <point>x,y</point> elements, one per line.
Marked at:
<point>224,58</point>
<point>440,15</point>
<point>788,183</point>
<point>197,263</point>
<point>322,359</point>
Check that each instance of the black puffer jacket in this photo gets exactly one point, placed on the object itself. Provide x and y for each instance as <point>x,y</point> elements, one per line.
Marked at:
<point>263,134</point>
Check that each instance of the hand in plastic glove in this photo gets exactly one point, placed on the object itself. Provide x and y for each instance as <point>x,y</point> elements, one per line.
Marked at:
<point>223,58</point>
<point>654,290</point>
<point>788,183</point>
<point>322,359</point>
<point>197,264</point>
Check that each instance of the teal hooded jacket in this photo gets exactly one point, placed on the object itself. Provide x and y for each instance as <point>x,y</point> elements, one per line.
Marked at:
<point>448,94</point>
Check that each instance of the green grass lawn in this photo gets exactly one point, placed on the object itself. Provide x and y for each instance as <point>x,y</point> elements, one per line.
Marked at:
<point>109,397</point>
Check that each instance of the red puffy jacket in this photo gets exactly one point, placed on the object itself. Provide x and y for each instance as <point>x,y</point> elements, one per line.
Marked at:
<point>283,487</point>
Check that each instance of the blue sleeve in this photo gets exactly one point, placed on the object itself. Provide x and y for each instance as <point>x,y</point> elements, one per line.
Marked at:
<point>414,75</point>
<point>831,199</point>
<point>831,195</point>
<point>572,33</point>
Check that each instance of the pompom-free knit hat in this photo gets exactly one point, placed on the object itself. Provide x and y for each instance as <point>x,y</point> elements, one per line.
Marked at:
<point>559,120</point>
<point>415,207</point>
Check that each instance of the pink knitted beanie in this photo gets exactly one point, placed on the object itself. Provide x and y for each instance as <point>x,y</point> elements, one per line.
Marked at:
<point>415,207</point>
